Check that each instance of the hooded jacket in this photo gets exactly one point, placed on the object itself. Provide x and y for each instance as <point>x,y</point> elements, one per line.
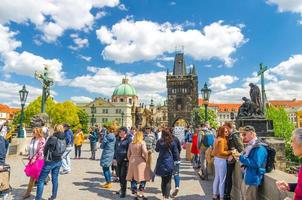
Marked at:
<point>2,151</point>
<point>51,144</point>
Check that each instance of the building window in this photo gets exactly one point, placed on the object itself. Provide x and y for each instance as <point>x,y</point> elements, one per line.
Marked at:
<point>226,110</point>
<point>130,101</point>
<point>121,100</point>
<point>105,111</point>
<point>118,111</point>
<point>104,120</point>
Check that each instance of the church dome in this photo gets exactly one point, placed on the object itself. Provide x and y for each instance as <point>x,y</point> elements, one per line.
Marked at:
<point>124,89</point>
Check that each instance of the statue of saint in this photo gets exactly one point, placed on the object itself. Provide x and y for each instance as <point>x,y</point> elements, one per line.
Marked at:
<point>138,118</point>
<point>46,82</point>
<point>255,95</point>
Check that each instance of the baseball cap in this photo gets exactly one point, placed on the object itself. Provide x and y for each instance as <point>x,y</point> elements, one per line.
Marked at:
<point>248,128</point>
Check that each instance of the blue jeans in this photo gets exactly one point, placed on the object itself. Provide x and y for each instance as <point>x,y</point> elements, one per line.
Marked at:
<point>54,167</point>
<point>6,145</point>
<point>176,175</point>
<point>142,185</point>
<point>107,174</point>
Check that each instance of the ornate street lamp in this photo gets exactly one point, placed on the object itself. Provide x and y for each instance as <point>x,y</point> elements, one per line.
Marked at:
<point>93,111</point>
<point>123,114</point>
<point>23,96</point>
<point>206,92</point>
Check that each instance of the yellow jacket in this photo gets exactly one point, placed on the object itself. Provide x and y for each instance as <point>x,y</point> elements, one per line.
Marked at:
<point>79,138</point>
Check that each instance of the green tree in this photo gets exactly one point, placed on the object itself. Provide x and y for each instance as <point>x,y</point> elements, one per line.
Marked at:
<point>84,120</point>
<point>283,128</point>
<point>66,112</point>
<point>212,117</point>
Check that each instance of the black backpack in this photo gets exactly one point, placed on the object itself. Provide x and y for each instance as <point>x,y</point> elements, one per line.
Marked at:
<point>270,161</point>
<point>58,151</point>
<point>271,154</point>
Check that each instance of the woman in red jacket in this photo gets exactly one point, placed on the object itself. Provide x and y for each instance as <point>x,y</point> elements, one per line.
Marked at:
<point>195,150</point>
<point>297,150</point>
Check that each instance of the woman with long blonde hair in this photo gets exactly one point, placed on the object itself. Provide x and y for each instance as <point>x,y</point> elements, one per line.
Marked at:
<point>138,171</point>
<point>36,159</point>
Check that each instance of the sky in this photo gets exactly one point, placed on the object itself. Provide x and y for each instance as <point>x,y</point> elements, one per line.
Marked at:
<point>91,45</point>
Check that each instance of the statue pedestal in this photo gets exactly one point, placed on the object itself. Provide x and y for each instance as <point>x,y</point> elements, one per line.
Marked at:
<point>263,127</point>
<point>19,146</point>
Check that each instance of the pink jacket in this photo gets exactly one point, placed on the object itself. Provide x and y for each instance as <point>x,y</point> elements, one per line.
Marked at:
<point>39,155</point>
<point>298,190</point>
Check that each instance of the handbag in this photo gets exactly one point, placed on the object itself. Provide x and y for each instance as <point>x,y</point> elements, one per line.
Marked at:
<point>33,170</point>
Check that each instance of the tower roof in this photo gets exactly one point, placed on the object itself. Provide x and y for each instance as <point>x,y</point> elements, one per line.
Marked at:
<point>179,68</point>
<point>124,89</point>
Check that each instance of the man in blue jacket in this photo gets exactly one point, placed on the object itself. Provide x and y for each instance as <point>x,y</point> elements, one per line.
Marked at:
<point>66,164</point>
<point>253,159</point>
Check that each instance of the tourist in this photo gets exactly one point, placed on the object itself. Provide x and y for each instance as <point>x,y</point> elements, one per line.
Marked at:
<point>138,171</point>
<point>168,154</point>
<point>234,143</point>
<point>253,158</point>
<point>120,155</point>
<point>36,159</point>
<point>54,148</point>
<point>176,167</point>
<point>296,144</point>
<point>107,145</point>
<point>93,139</point>
<point>2,152</point>
<point>4,130</point>
<point>194,148</point>
<point>150,140</point>
<point>188,141</point>
<point>221,153</point>
<point>66,164</point>
<point>78,141</point>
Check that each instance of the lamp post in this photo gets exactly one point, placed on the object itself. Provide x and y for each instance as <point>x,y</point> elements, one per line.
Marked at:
<point>123,114</point>
<point>93,111</point>
<point>23,96</point>
<point>206,92</point>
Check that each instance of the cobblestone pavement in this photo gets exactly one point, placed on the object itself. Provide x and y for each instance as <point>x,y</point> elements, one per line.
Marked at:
<point>83,183</point>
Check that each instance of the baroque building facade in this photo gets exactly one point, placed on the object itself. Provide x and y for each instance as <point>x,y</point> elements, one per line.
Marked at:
<point>124,108</point>
<point>182,92</point>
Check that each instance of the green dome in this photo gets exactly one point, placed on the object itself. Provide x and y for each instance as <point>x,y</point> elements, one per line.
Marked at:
<point>124,89</point>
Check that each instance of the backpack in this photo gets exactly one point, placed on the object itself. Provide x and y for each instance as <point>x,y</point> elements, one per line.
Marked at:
<point>270,161</point>
<point>269,165</point>
<point>58,151</point>
<point>208,139</point>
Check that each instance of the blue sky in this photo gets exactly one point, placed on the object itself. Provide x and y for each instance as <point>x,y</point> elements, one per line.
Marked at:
<point>91,45</point>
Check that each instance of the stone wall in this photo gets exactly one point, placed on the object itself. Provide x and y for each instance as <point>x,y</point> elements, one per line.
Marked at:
<point>268,190</point>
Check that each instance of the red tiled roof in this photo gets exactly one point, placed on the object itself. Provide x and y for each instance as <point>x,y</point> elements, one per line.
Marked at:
<point>233,107</point>
<point>7,109</point>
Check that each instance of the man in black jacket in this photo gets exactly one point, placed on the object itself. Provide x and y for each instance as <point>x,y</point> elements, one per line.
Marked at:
<point>176,167</point>
<point>234,143</point>
<point>120,155</point>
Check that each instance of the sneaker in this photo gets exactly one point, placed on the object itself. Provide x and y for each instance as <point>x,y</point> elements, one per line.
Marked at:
<point>64,172</point>
<point>174,194</point>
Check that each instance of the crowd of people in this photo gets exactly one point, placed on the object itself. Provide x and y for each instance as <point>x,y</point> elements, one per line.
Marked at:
<point>128,154</point>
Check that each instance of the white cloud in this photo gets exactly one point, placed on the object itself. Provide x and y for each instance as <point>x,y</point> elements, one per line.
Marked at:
<point>100,14</point>
<point>172,3</point>
<point>79,42</point>
<point>287,5</point>
<point>24,63</point>
<point>86,58</point>
<point>122,7</point>
<point>81,99</point>
<point>129,41</point>
<point>221,82</point>
<point>53,17</point>
<point>9,93</point>
<point>103,81</point>
<point>158,64</point>
<point>282,82</point>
